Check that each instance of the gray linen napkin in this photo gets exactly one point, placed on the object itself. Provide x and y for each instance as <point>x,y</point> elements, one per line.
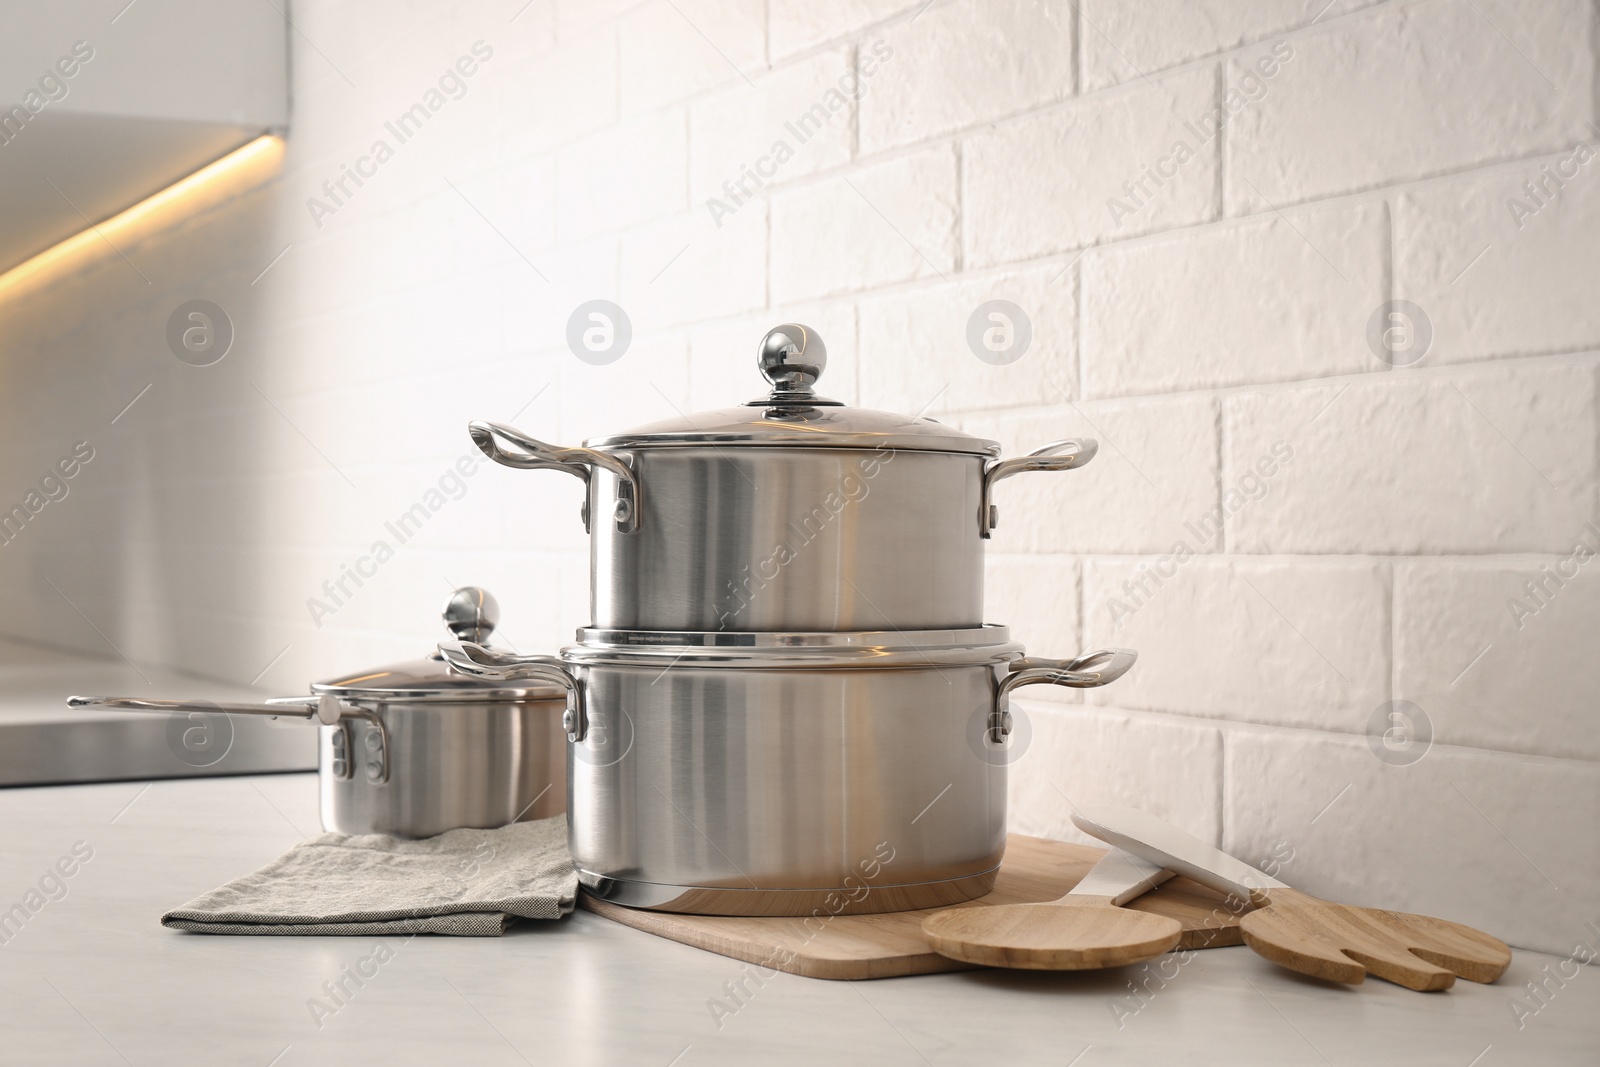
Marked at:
<point>472,883</point>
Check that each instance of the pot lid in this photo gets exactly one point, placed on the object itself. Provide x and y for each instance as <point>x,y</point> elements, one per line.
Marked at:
<point>470,614</point>
<point>793,357</point>
<point>833,649</point>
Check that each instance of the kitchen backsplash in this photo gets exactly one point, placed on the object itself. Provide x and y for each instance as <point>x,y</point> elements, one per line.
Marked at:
<point>1318,276</point>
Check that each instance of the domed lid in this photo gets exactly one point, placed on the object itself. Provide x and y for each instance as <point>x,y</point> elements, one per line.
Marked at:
<point>471,614</point>
<point>793,357</point>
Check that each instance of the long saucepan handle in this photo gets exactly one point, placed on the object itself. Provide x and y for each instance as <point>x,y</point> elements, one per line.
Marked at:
<point>326,709</point>
<point>477,661</point>
<point>1055,456</point>
<point>1089,671</point>
<point>513,448</point>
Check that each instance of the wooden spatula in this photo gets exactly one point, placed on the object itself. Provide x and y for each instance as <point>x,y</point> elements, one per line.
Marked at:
<point>1305,934</point>
<point>1084,930</point>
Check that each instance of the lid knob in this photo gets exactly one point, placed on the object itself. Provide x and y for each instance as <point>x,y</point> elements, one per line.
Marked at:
<point>471,614</point>
<point>792,357</point>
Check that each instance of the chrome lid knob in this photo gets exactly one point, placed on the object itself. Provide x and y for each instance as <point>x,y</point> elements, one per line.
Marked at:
<point>792,357</point>
<point>471,614</point>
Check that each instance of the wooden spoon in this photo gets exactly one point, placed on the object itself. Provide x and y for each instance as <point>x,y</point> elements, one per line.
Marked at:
<point>1333,941</point>
<point>1084,930</point>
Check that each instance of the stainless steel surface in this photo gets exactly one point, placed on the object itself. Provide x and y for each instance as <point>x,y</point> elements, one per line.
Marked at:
<point>657,896</point>
<point>765,539</point>
<point>513,448</point>
<point>417,748</point>
<point>1089,671</point>
<point>475,661</point>
<point>777,785</point>
<point>481,764</point>
<point>704,783</point>
<point>1056,456</point>
<point>326,711</point>
<point>792,357</point>
<point>471,614</point>
<point>790,513</point>
<point>893,648</point>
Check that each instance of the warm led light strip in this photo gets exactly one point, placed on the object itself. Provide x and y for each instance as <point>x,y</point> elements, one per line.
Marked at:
<point>213,183</point>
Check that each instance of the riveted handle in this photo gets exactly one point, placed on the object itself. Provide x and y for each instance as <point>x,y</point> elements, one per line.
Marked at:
<point>511,447</point>
<point>326,709</point>
<point>1055,456</point>
<point>476,661</point>
<point>1089,671</point>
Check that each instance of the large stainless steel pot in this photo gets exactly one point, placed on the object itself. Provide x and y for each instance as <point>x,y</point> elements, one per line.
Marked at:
<point>414,749</point>
<point>792,512</point>
<point>780,774</point>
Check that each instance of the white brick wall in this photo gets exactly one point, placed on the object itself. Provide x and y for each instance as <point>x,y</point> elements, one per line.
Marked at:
<point>1355,527</point>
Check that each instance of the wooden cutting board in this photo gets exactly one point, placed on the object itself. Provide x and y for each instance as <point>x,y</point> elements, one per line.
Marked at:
<point>891,944</point>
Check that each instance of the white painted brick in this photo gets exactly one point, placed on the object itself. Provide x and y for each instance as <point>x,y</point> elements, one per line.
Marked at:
<point>1156,470</point>
<point>1037,597</point>
<point>687,267</point>
<point>517,198</point>
<point>1500,459</point>
<point>1498,281</point>
<point>735,135</point>
<point>672,49</point>
<point>918,357</point>
<point>886,223</point>
<point>1088,757</point>
<point>533,299</point>
<point>1293,643</point>
<point>1280,299</point>
<point>648,384</point>
<point>722,355</point>
<point>959,64</point>
<point>551,99</point>
<point>574,17</point>
<point>622,176</point>
<point>1127,39</point>
<point>1409,92</point>
<point>1046,183</point>
<point>537,510</point>
<point>1495,663</point>
<point>799,25</point>
<point>1476,837</point>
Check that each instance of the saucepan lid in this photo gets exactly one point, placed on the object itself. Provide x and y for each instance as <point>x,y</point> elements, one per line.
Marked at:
<point>793,357</point>
<point>471,614</point>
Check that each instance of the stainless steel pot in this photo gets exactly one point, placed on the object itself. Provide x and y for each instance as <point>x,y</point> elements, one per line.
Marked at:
<point>780,774</point>
<point>415,749</point>
<point>792,512</point>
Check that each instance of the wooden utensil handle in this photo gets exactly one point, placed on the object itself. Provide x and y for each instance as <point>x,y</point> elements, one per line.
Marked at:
<point>1163,844</point>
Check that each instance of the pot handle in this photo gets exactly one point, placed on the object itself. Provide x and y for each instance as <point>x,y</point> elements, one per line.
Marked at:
<point>1089,671</point>
<point>1055,456</point>
<point>513,448</point>
<point>326,709</point>
<point>474,660</point>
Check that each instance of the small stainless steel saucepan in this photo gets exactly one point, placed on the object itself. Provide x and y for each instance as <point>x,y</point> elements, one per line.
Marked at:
<point>415,749</point>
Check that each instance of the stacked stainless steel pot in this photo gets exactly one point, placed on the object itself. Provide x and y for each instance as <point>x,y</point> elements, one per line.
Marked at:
<point>787,699</point>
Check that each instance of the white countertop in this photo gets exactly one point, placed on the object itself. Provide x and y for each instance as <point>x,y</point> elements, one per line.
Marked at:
<point>92,978</point>
<point>44,741</point>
